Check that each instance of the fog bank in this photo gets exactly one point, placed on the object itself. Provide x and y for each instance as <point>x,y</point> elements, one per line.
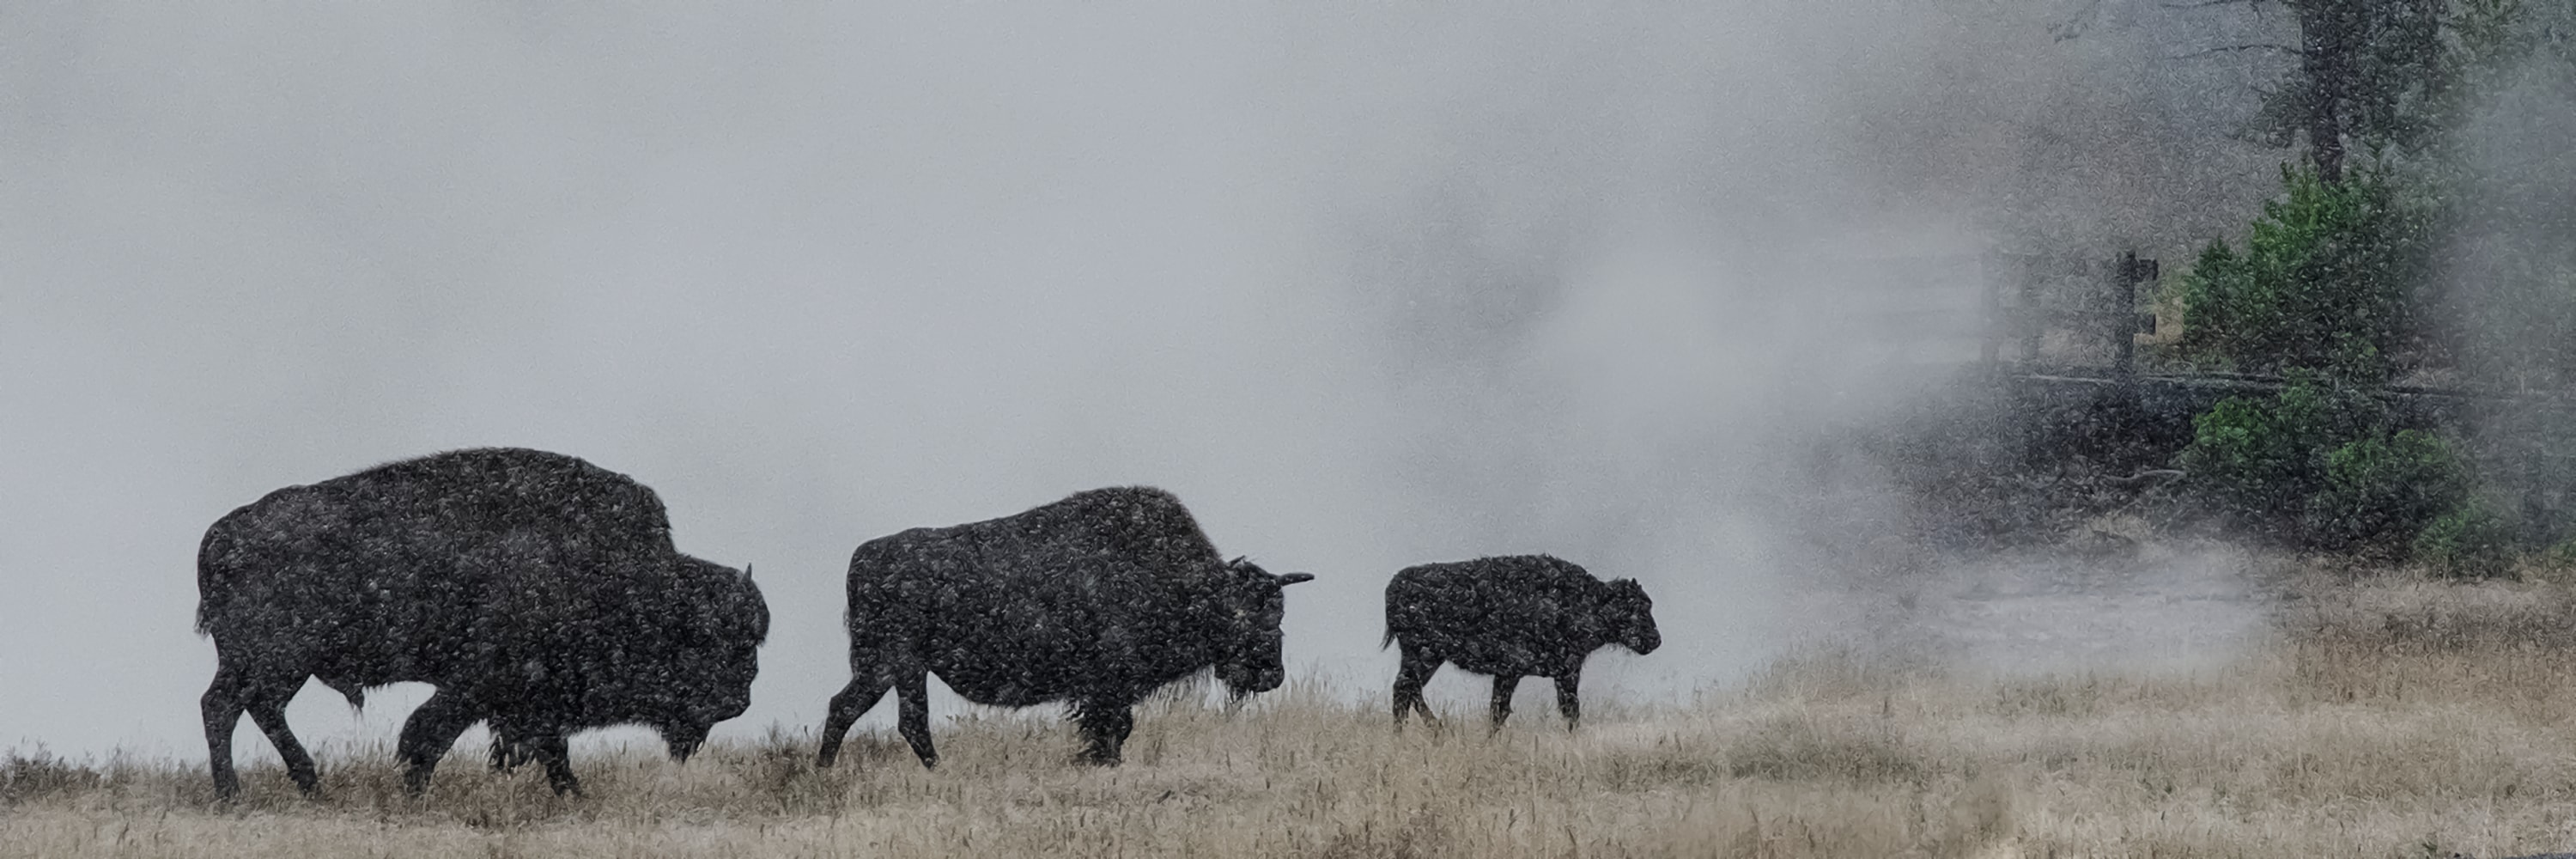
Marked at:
<point>1366,286</point>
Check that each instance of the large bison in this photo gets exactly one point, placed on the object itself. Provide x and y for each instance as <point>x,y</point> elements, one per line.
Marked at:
<point>535,590</point>
<point>1094,600</point>
<point>1515,616</point>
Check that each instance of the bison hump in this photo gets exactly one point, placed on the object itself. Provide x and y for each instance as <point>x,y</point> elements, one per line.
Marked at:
<point>1139,524</point>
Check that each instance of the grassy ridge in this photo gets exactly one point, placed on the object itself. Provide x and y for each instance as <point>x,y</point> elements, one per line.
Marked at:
<point>2389,718</point>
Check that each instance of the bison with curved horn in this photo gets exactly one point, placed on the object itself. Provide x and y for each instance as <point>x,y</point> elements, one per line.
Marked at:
<point>1510,617</point>
<point>1095,600</point>
<point>535,590</point>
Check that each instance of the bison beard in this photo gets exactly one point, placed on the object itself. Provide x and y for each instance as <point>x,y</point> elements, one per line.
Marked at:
<point>1509,617</point>
<point>535,590</point>
<point>1095,600</point>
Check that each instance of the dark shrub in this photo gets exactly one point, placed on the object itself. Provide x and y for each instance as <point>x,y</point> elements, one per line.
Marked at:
<point>2381,488</point>
<point>2318,465</point>
<point>2470,542</point>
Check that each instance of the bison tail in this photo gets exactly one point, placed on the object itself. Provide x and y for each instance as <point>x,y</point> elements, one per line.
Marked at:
<point>211,580</point>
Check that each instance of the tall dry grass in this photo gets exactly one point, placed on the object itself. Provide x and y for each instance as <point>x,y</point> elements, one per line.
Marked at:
<point>2391,718</point>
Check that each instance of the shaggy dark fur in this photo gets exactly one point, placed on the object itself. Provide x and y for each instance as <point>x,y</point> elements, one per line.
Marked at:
<point>1510,617</point>
<point>535,590</point>
<point>1094,600</point>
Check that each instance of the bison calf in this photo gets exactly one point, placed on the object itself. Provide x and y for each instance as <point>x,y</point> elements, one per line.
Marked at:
<point>1523,615</point>
<point>536,591</point>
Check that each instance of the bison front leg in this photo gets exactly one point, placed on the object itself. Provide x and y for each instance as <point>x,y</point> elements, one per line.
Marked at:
<point>1104,731</point>
<point>1504,684</point>
<point>430,732</point>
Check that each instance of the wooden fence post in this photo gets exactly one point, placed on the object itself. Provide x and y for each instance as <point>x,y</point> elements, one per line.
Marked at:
<point>2122,316</point>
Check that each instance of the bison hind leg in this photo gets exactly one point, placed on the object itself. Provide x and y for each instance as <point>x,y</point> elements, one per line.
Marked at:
<point>222,708</point>
<point>513,745</point>
<point>1569,682</point>
<point>865,689</point>
<point>428,734</point>
<point>267,709</point>
<point>912,715</point>
<point>1105,727</point>
<point>1504,684</point>
<point>1414,672</point>
<point>511,748</point>
<point>556,753</point>
<point>262,694</point>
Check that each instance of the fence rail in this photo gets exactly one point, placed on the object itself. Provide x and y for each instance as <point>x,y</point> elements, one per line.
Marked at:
<point>2054,338</point>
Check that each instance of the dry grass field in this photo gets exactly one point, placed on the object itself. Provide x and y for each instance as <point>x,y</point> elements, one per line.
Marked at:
<point>2386,718</point>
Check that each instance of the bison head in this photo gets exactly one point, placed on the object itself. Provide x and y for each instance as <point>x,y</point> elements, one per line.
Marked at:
<point>1629,616</point>
<point>714,655</point>
<point>1251,604</point>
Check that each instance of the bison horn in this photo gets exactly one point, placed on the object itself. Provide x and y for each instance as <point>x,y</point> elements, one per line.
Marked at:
<point>746,572</point>
<point>1293,578</point>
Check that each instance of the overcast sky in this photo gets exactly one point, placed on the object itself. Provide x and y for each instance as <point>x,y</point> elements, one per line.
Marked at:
<point>1367,285</point>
